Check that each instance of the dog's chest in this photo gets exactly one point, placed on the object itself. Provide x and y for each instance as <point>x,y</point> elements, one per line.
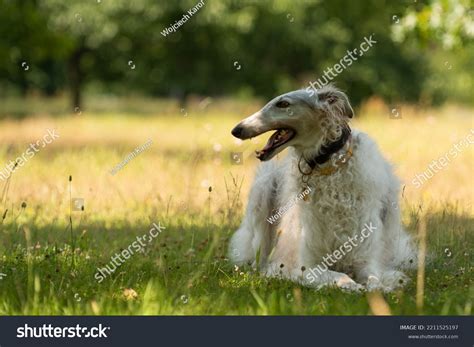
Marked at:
<point>332,210</point>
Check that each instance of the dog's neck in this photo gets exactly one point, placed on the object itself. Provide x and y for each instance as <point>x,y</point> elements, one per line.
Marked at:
<point>327,150</point>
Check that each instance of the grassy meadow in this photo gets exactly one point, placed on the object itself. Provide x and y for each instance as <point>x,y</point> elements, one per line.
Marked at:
<point>49,254</point>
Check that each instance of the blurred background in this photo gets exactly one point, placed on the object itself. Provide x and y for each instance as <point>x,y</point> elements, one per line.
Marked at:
<point>77,55</point>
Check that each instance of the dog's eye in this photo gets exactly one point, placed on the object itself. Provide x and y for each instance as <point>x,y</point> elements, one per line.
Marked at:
<point>282,104</point>
<point>329,98</point>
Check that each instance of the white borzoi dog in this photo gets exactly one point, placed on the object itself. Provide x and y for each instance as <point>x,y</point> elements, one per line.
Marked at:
<point>328,213</point>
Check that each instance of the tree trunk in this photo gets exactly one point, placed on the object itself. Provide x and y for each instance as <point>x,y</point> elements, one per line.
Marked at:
<point>75,79</point>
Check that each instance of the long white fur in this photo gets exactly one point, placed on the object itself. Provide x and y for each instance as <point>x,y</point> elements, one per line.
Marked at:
<point>363,192</point>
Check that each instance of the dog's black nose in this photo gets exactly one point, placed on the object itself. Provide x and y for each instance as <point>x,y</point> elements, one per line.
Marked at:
<point>237,131</point>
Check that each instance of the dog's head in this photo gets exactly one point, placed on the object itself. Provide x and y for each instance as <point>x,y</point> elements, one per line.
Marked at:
<point>301,119</point>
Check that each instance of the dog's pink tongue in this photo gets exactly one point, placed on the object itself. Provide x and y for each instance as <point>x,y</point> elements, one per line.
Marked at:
<point>271,141</point>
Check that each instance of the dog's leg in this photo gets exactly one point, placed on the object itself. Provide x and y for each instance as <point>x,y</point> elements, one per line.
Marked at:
<point>375,265</point>
<point>400,253</point>
<point>314,278</point>
<point>392,250</point>
<point>256,232</point>
<point>369,253</point>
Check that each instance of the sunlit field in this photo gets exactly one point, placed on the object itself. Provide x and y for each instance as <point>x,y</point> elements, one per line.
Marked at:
<point>187,182</point>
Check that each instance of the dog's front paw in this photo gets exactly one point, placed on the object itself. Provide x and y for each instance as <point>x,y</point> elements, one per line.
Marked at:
<point>347,284</point>
<point>331,279</point>
<point>375,284</point>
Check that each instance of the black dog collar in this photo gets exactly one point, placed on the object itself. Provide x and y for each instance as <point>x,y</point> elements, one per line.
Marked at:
<point>327,150</point>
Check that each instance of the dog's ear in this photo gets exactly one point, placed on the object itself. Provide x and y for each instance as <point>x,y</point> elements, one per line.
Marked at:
<point>337,102</point>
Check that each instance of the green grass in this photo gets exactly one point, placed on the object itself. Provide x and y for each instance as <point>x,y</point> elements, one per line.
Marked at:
<point>185,271</point>
<point>45,276</point>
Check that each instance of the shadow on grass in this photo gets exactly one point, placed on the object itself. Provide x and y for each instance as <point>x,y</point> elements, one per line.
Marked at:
<point>184,270</point>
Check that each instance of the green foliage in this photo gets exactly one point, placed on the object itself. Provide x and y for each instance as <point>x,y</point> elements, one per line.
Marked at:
<point>443,30</point>
<point>280,45</point>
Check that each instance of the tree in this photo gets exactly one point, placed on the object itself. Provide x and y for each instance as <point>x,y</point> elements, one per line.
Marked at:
<point>444,30</point>
<point>118,46</point>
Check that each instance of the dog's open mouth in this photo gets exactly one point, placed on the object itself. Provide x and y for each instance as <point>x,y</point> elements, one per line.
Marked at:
<point>278,139</point>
